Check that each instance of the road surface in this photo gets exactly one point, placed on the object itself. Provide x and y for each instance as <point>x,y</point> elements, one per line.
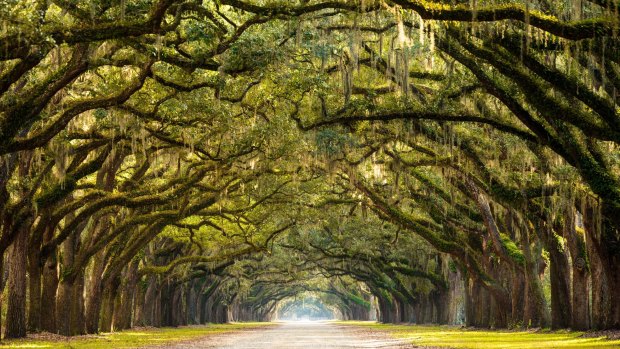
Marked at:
<point>297,335</point>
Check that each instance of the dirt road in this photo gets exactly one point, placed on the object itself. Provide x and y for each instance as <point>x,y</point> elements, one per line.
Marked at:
<point>297,335</point>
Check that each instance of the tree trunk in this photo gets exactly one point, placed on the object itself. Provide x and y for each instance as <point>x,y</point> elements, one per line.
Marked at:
<point>2,283</point>
<point>157,309</point>
<point>610,258</point>
<point>122,314</point>
<point>78,320</point>
<point>614,273</point>
<point>483,306</point>
<point>49,288</point>
<point>560,287</point>
<point>580,299</point>
<point>202,308</point>
<point>535,313</point>
<point>150,298</point>
<point>16,308</point>
<point>117,315</point>
<point>34,286</point>
<point>65,307</point>
<point>471,289</point>
<point>166,304</point>
<point>177,305</point>
<point>580,288</point>
<point>107,305</point>
<point>518,298</point>
<point>138,306</point>
<point>600,290</point>
<point>70,298</point>
<point>559,275</point>
<point>605,268</point>
<point>190,302</point>
<point>70,307</point>
<point>93,294</point>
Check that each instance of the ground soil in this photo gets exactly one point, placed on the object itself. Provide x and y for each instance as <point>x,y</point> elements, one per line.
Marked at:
<point>297,335</point>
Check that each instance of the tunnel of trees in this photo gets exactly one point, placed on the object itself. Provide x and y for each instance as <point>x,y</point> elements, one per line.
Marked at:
<point>172,162</point>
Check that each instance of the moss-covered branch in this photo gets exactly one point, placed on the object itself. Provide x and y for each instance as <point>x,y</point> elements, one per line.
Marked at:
<point>417,115</point>
<point>576,30</point>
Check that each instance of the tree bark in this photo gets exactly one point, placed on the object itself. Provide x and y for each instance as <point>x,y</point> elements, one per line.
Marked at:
<point>470,291</point>
<point>580,298</point>
<point>16,308</point>
<point>610,258</point>
<point>560,284</point>
<point>138,306</point>
<point>68,308</point>
<point>605,271</point>
<point>150,298</point>
<point>63,308</point>
<point>34,288</point>
<point>107,306</point>
<point>70,300</point>
<point>176,311</point>
<point>518,299</point>
<point>123,311</point>
<point>93,294</point>
<point>202,307</point>
<point>49,288</point>
<point>535,313</point>
<point>190,302</point>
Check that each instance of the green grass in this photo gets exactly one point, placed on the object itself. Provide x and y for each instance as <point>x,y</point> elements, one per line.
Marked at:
<point>451,337</point>
<point>132,338</point>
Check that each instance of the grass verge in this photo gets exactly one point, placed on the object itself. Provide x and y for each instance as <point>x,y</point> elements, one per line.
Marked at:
<point>131,338</point>
<point>454,337</point>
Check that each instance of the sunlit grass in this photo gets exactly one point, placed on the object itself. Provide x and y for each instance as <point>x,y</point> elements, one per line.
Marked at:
<point>451,337</point>
<point>133,338</point>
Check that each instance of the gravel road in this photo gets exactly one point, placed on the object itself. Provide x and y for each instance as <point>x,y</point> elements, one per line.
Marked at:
<point>295,335</point>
